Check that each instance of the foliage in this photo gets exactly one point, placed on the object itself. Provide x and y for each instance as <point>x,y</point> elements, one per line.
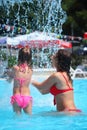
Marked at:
<point>3,55</point>
<point>36,19</point>
<point>76,17</point>
<point>77,60</point>
<point>85,41</point>
<point>11,61</point>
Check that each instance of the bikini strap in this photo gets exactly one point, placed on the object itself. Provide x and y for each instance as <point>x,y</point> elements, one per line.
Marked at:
<point>66,80</point>
<point>21,81</point>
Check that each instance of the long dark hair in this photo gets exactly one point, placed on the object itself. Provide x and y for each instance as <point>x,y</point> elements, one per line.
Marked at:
<point>25,57</point>
<point>63,61</point>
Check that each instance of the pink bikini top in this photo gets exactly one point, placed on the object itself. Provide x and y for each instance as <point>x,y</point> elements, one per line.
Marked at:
<point>55,91</point>
<point>21,80</point>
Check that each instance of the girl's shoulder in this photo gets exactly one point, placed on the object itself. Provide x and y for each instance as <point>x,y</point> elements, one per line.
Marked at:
<point>22,68</point>
<point>16,67</point>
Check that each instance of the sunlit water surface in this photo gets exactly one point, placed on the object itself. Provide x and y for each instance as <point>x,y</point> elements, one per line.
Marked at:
<point>44,116</point>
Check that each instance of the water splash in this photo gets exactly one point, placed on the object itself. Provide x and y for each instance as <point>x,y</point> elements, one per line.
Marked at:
<point>49,15</point>
<point>56,16</point>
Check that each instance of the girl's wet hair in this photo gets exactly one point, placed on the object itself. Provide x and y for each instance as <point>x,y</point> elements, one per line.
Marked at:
<point>63,61</point>
<point>25,56</point>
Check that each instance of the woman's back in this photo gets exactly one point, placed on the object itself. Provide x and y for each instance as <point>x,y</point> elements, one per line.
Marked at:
<point>62,91</point>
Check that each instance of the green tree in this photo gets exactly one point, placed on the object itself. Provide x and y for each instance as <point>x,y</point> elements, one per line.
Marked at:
<point>76,17</point>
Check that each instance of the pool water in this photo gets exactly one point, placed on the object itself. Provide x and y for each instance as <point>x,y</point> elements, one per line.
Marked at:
<point>44,116</point>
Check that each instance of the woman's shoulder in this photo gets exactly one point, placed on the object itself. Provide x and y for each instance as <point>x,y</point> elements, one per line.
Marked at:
<point>56,75</point>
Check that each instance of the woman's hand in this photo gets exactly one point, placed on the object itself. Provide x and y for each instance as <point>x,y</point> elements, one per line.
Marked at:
<point>35,83</point>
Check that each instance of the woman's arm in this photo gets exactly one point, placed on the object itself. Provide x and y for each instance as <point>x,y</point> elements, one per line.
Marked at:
<point>44,87</point>
<point>42,90</point>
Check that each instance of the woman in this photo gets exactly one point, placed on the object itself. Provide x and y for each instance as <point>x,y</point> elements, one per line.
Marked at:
<point>59,83</point>
<point>21,74</point>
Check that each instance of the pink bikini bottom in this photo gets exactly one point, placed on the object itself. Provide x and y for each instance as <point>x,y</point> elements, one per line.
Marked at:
<point>21,100</point>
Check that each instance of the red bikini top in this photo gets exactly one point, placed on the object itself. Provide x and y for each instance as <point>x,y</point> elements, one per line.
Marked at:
<point>55,91</point>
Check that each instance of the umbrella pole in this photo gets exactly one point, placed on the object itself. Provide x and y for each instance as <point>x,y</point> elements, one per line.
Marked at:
<point>37,57</point>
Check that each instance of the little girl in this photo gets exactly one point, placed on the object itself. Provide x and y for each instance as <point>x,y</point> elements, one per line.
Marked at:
<point>21,74</point>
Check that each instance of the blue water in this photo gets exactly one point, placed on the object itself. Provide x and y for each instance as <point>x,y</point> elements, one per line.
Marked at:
<point>44,116</point>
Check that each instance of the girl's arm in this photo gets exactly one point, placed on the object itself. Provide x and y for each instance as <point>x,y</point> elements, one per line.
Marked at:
<point>10,74</point>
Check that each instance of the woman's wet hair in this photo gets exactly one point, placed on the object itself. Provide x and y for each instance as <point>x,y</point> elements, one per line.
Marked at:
<point>25,56</point>
<point>63,61</point>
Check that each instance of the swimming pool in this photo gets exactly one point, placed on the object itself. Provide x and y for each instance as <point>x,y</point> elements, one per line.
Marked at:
<point>44,115</point>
